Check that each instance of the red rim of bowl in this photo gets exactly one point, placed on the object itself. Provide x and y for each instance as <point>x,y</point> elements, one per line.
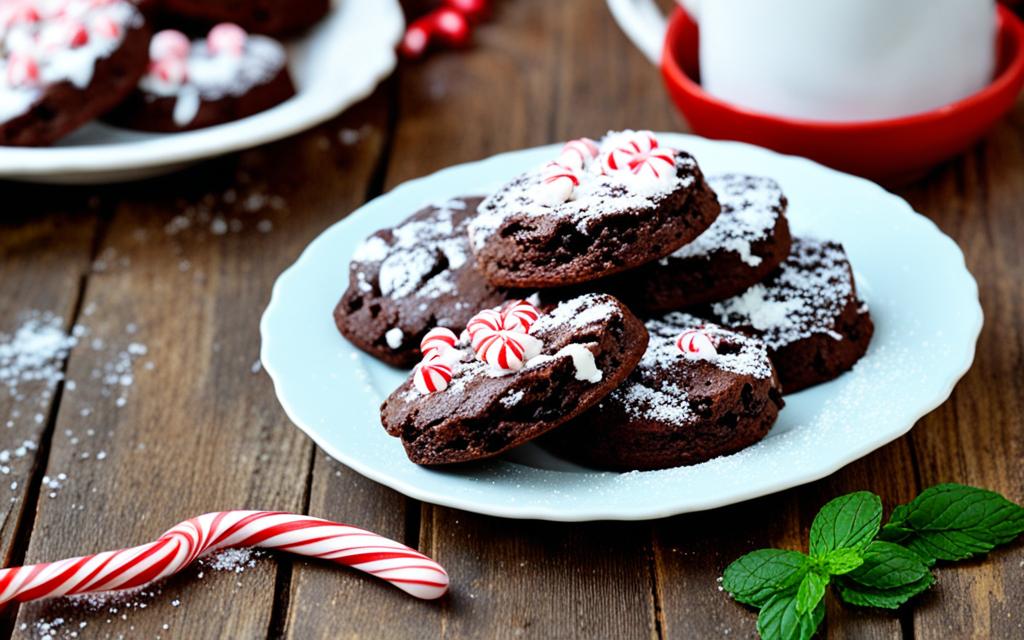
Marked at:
<point>1009,25</point>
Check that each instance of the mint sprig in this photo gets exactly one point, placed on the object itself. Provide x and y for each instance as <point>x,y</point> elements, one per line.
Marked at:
<point>954,522</point>
<point>868,564</point>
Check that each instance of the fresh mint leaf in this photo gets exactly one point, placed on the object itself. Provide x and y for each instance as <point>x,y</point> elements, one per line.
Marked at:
<point>862,596</point>
<point>954,522</point>
<point>780,620</point>
<point>888,565</point>
<point>890,576</point>
<point>847,522</point>
<point>811,591</point>
<point>842,561</point>
<point>754,578</point>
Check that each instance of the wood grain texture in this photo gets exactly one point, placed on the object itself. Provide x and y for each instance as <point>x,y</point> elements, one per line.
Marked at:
<point>190,261</point>
<point>46,240</point>
<point>977,437</point>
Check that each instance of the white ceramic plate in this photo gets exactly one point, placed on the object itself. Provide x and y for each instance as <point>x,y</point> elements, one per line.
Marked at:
<point>923,300</point>
<point>336,64</point>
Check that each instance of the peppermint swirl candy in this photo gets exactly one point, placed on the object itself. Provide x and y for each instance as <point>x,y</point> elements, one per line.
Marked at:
<point>641,156</point>
<point>696,345</point>
<point>432,375</point>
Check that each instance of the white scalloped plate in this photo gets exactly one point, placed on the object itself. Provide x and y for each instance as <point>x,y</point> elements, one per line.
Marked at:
<point>923,300</point>
<point>336,64</point>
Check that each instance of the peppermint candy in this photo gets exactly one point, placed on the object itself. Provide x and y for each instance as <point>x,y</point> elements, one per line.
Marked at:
<point>506,350</point>
<point>22,70</point>
<point>169,70</point>
<point>226,38</point>
<point>486,320</point>
<point>169,44</point>
<point>63,34</point>
<point>519,316</point>
<point>437,341</point>
<point>578,153</point>
<point>641,156</point>
<point>432,375</point>
<point>557,185</point>
<point>696,345</point>
<point>105,27</point>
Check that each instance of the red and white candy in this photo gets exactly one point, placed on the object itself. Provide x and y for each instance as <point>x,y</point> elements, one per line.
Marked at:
<point>640,155</point>
<point>105,27</point>
<point>578,153</point>
<point>696,345</point>
<point>226,38</point>
<point>486,320</point>
<point>406,568</point>
<point>557,185</point>
<point>22,70</point>
<point>506,350</point>
<point>63,34</point>
<point>169,44</point>
<point>432,375</point>
<point>437,341</point>
<point>519,316</point>
<point>169,70</point>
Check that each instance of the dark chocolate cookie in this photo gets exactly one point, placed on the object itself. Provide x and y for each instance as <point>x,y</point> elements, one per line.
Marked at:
<point>677,409</point>
<point>62,66</point>
<point>272,17</point>
<point>808,314</point>
<point>227,76</point>
<point>410,278</point>
<point>745,243</point>
<point>588,345</point>
<point>599,209</point>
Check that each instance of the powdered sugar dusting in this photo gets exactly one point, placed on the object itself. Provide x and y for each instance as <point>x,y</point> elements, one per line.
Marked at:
<point>597,195</point>
<point>652,393</point>
<point>804,297</point>
<point>417,256</point>
<point>750,208</point>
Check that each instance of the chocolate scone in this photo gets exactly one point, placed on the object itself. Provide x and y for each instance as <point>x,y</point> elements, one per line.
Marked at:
<point>576,352</point>
<point>713,395</point>
<point>745,243</point>
<point>410,278</point>
<point>599,209</point>
<point>226,76</point>
<point>808,314</point>
<point>64,64</point>
<point>272,17</point>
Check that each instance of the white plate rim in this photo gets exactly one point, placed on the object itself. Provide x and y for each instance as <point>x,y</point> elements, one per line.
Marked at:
<point>292,116</point>
<point>963,359</point>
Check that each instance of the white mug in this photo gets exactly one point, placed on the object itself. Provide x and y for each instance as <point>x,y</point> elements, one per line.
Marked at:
<point>832,60</point>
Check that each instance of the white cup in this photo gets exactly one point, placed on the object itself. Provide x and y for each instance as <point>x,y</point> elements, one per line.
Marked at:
<point>837,60</point>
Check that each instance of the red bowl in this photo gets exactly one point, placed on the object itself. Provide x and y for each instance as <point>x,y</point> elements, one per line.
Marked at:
<point>891,150</point>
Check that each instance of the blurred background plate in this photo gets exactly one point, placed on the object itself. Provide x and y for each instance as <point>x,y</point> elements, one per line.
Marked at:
<point>338,62</point>
<point>923,300</point>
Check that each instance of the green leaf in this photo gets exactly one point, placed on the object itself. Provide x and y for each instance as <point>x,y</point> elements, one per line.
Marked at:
<point>842,561</point>
<point>754,578</point>
<point>811,591</point>
<point>890,576</point>
<point>848,522</point>
<point>857,594</point>
<point>780,620</point>
<point>954,522</point>
<point>888,565</point>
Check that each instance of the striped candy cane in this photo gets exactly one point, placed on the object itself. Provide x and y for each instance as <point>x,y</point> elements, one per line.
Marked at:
<point>407,569</point>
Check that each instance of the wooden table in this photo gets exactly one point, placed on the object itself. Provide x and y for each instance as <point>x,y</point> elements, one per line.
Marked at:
<point>184,266</point>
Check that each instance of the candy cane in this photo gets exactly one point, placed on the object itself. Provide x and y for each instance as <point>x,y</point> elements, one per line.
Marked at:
<point>407,569</point>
